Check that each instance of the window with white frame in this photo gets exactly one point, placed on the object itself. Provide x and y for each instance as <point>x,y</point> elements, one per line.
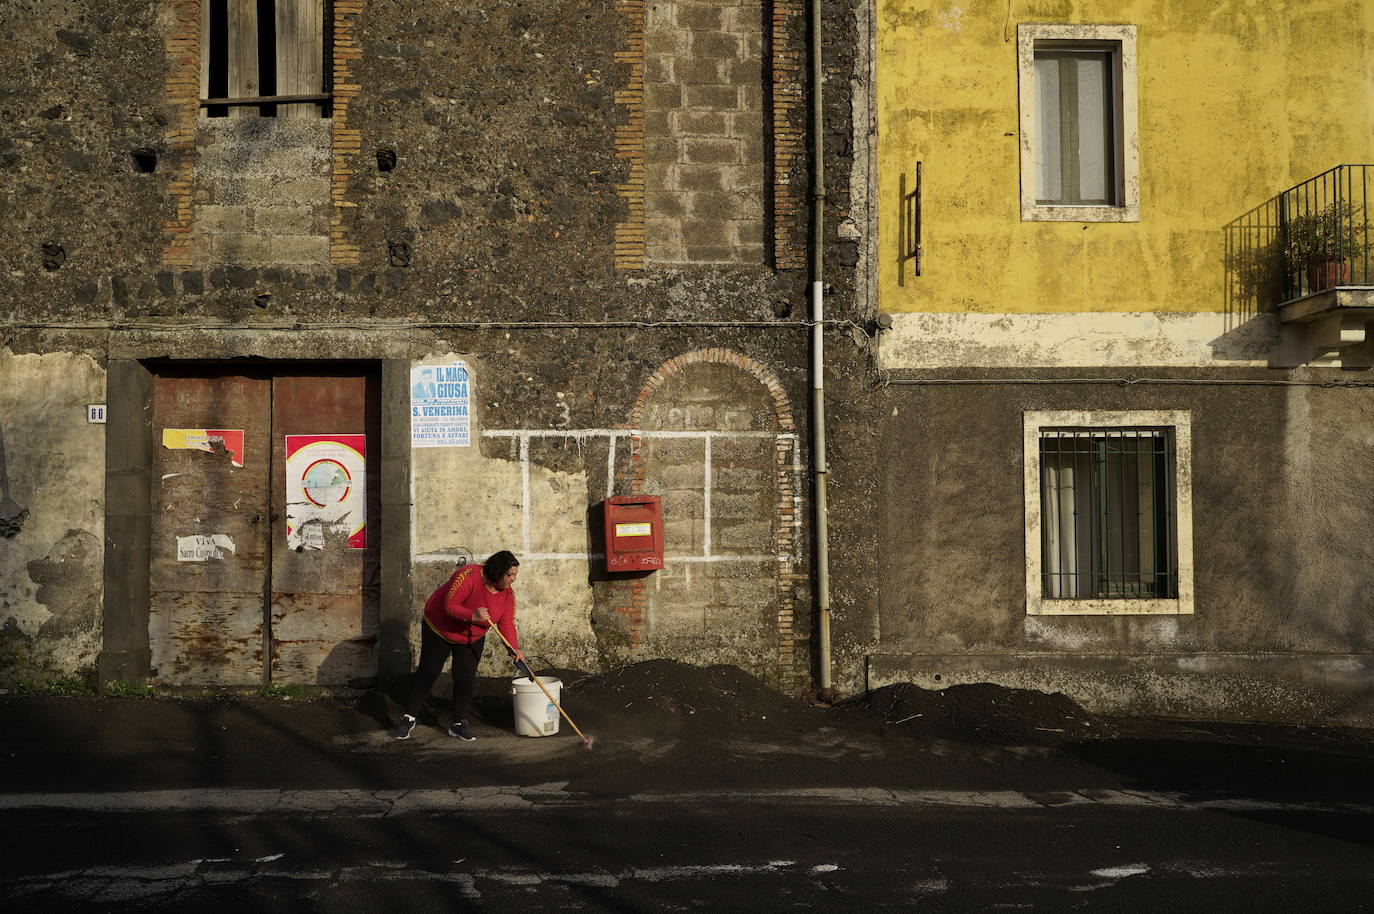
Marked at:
<point>264,58</point>
<point>1078,123</point>
<point>1108,512</point>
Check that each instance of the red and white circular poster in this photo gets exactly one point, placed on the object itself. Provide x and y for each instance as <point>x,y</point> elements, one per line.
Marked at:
<point>326,490</point>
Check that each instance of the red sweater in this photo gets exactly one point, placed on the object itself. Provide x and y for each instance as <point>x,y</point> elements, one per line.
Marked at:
<point>449,609</point>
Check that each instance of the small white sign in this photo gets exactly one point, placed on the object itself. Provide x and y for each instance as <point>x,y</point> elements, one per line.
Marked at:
<point>203,548</point>
<point>95,412</point>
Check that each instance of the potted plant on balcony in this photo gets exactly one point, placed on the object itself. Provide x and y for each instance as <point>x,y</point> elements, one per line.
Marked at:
<point>1322,244</point>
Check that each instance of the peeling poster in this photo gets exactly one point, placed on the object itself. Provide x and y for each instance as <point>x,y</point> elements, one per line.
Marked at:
<point>203,548</point>
<point>440,397</point>
<point>325,490</point>
<point>205,439</point>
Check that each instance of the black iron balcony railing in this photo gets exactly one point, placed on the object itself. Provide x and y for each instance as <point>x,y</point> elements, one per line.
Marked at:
<point>1310,238</point>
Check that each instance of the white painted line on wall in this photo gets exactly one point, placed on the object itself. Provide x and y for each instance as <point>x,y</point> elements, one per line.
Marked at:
<point>610,468</point>
<point>638,433</point>
<point>706,498</point>
<point>525,491</point>
<point>594,556</point>
<point>707,436</point>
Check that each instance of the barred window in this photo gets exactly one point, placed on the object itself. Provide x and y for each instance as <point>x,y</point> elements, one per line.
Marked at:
<point>1109,512</point>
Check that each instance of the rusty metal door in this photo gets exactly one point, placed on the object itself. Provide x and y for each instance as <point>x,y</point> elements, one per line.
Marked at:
<point>324,607</point>
<point>233,603</point>
<point>210,529</point>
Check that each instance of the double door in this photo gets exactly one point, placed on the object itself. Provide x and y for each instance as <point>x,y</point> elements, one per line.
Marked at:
<point>264,562</point>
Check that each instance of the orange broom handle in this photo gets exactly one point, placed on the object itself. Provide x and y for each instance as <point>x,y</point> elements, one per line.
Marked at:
<point>491,626</point>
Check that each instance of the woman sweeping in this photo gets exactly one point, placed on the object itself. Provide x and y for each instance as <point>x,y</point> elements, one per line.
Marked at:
<point>457,616</point>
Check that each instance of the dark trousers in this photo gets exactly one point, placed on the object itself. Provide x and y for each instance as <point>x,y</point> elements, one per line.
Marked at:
<point>434,650</point>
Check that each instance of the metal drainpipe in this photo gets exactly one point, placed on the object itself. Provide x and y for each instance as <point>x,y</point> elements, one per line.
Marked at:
<point>818,351</point>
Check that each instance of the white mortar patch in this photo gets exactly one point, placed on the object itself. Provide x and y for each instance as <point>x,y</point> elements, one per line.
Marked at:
<point>1085,340</point>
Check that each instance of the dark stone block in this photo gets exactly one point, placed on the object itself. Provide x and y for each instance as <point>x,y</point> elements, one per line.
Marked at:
<point>78,42</point>
<point>398,253</point>
<point>343,281</point>
<point>368,283</point>
<point>273,276</point>
<point>242,278</point>
<point>435,211</point>
<point>119,290</point>
<point>86,294</point>
<point>166,284</point>
<point>52,113</point>
<point>219,279</point>
<point>193,282</point>
<point>76,160</point>
<point>395,51</point>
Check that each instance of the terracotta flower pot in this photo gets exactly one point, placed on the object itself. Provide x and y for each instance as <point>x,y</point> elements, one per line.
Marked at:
<point>1327,274</point>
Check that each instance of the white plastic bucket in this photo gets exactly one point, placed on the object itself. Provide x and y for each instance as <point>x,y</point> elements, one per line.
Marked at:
<point>535,715</point>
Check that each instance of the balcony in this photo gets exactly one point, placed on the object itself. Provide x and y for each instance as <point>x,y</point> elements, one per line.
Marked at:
<point>1305,256</point>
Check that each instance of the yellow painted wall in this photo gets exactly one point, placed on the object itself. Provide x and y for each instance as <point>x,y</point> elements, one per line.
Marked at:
<point>1238,100</point>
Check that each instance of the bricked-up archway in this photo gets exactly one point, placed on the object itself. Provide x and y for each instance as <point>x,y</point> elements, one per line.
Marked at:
<point>719,444</point>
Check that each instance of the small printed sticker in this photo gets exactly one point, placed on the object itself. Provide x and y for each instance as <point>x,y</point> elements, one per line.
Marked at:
<point>634,530</point>
<point>95,413</point>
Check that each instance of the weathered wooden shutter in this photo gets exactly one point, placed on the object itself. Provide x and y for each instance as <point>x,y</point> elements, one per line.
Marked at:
<point>300,54</point>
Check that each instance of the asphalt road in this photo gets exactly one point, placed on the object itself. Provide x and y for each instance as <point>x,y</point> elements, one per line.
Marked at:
<point>248,805</point>
<point>545,849</point>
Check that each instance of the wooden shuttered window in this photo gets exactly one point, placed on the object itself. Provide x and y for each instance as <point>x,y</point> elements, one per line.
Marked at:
<point>265,58</point>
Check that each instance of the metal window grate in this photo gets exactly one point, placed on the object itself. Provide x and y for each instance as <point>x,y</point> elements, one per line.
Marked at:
<point>1108,513</point>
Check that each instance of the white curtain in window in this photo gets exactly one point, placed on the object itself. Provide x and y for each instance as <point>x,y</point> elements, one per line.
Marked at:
<point>1048,153</point>
<point>1066,517</point>
<point>1094,111</point>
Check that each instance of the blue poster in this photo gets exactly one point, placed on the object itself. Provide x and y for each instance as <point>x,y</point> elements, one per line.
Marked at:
<point>439,406</point>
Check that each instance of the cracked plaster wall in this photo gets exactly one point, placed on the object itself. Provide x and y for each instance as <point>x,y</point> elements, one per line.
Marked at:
<point>50,570</point>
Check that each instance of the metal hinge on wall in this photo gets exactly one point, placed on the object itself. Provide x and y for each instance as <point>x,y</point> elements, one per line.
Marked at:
<point>909,228</point>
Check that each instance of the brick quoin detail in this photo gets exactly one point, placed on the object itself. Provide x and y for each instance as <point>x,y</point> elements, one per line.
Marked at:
<point>182,97</point>
<point>792,653</point>
<point>346,144</point>
<point>629,139</point>
<point>789,251</point>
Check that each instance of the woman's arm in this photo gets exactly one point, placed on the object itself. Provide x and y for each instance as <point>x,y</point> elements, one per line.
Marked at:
<point>461,588</point>
<point>506,623</point>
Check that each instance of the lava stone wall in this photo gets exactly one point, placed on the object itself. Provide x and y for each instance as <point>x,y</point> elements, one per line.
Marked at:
<point>475,190</point>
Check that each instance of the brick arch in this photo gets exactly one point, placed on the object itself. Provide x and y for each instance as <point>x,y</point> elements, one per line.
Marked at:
<point>789,573</point>
<point>782,405</point>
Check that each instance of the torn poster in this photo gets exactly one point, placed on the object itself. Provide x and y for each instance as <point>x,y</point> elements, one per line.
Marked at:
<point>203,548</point>
<point>206,439</point>
<point>325,490</point>
<point>440,397</point>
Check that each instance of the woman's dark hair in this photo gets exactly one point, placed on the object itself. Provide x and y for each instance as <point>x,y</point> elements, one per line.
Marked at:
<point>495,568</point>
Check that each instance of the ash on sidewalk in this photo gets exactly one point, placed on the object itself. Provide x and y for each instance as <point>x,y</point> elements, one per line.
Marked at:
<point>662,726</point>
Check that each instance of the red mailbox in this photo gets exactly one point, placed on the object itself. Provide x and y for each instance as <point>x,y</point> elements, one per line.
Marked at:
<point>634,533</point>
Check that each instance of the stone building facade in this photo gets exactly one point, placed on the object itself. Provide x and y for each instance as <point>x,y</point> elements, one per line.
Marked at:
<point>593,211</point>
